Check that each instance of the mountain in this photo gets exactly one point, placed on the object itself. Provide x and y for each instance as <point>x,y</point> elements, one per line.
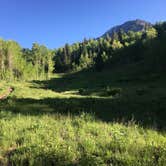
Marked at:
<point>134,25</point>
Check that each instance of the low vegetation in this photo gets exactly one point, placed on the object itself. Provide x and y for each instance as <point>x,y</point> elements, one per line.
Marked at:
<point>54,123</point>
<point>77,140</point>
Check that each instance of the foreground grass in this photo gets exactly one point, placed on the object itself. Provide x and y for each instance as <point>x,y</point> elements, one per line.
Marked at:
<point>77,140</point>
<point>74,120</point>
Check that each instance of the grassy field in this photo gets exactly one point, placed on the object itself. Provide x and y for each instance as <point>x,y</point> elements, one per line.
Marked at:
<point>85,118</point>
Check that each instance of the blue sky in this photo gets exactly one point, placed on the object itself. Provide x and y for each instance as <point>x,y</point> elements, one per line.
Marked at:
<point>56,22</point>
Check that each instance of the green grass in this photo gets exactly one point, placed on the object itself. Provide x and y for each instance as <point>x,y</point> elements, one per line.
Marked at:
<point>79,140</point>
<point>76,119</point>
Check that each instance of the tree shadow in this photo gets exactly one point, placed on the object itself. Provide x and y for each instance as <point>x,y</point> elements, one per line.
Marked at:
<point>149,110</point>
<point>93,81</point>
<point>68,82</point>
<point>149,114</point>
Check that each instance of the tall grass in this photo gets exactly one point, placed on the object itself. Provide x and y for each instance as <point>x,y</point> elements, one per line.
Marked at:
<point>77,140</point>
<point>50,123</point>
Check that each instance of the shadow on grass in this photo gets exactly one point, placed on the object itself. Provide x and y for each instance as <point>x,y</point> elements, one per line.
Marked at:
<point>97,82</point>
<point>83,79</point>
<point>147,110</point>
<point>148,114</point>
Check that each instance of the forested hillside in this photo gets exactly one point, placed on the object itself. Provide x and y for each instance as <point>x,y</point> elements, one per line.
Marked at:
<point>123,48</point>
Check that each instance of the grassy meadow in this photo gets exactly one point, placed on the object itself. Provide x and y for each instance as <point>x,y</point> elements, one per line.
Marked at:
<point>85,118</point>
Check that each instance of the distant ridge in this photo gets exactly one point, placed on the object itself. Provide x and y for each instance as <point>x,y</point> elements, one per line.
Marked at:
<point>134,25</point>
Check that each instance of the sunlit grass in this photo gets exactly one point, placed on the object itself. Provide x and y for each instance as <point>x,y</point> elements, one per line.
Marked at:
<point>42,125</point>
<point>67,140</point>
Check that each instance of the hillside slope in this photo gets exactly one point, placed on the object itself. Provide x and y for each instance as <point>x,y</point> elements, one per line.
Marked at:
<point>134,25</point>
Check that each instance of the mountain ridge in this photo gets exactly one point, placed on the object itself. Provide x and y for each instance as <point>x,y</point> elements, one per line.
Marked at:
<point>132,25</point>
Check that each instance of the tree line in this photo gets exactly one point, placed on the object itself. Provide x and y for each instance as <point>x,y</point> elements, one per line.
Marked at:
<point>17,63</point>
<point>121,48</point>
<point>96,53</point>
